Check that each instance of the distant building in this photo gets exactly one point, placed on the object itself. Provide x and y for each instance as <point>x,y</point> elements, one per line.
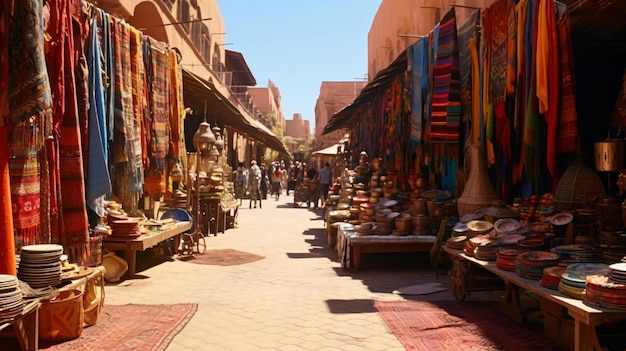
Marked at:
<point>333,97</point>
<point>298,128</point>
<point>267,102</point>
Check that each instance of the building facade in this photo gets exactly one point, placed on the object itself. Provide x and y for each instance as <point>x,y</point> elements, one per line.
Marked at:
<point>298,128</point>
<point>333,97</point>
<point>267,103</point>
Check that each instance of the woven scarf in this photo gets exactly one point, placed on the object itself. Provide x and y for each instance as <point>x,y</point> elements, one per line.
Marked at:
<point>157,74</point>
<point>177,106</point>
<point>549,80</point>
<point>25,189</point>
<point>446,110</point>
<point>7,239</point>
<point>569,139</point>
<point>98,181</point>
<point>105,39</point>
<point>417,58</point>
<point>73,229</point>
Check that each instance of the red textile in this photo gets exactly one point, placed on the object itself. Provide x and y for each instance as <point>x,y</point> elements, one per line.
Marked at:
<point>7,241</point>
<point>569,139</point>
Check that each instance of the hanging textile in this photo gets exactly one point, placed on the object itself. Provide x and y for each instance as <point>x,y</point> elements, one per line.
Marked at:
<point>177,106</point>
<point>74,233</point>
<point>520,94</point>
<point>158,125</point>
<point>98,182</point>
<point>30,106</point>
<point>104,21</point>
<point>533,130</point>
<point>446,96</point>
<point>7,240</point>
<point>418,59</point>
<point>433,38</point>
<point>569,140</point>
<point>549,80</point>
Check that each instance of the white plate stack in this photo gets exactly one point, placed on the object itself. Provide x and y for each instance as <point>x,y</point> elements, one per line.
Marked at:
<point>40,265</point>
<point>11,299</point>
<point>617,273</point>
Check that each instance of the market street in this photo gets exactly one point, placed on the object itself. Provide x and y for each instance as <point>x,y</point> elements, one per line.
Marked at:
<point>296,298</point>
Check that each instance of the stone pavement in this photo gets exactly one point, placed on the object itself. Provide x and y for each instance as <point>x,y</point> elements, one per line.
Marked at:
<point>297,298</point>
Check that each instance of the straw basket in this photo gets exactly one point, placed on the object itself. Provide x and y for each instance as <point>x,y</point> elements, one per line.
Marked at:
<point>578,185</point>
<point>61,318</point>
<point>478,191</point>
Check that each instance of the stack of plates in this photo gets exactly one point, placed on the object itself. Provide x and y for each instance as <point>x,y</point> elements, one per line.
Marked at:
<point>40,265</point>
<point>574,278</point>
<point>486,252</point>
<point>617,272</point>
<point>474,242</point>
<point>506,226</point>
<point>602,291</point>
<point>552,277</point>
<point>566,250</point>
<point>456,242</point>
<point>505,259</point>
<point>11,300</point>
<point>126,228</point>
<point>589,256</point>
<point>530,264</point>
<point>510,241</point>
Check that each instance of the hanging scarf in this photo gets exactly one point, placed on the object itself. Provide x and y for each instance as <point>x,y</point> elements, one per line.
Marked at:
<point>569,140</point>
<point>7,239</point>
<point>74,225</point>
<point>107,61</point>
<point>177,106</point>
<point>30,108</point>
<point>98,179</point>
<point>533,131</point>
<point>446,96</point>
<point>549,80</point>
<point>418,59</point>
<point>158,121</point>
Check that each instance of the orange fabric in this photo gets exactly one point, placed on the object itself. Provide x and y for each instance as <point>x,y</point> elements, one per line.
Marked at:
<point>7,240</point>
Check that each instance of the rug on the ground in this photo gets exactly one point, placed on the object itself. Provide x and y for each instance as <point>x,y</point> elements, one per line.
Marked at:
<point>224,257</point>
<point>130,327</point>
<point>451,326</point>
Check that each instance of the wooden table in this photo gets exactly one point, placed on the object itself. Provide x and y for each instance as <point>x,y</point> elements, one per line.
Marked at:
<point>131,245</point>
<point>25,327</point>
<point>586,318</point>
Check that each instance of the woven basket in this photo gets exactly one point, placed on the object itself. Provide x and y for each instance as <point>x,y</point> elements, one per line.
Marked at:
<point>578,186</point>
<point>61,318</point>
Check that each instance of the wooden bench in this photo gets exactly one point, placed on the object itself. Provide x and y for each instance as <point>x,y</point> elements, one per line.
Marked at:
<point>130,246</point>
<point>350,246</point>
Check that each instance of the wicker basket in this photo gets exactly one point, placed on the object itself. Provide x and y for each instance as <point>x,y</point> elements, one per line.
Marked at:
<point>61,318</point>
<point>578,186</point>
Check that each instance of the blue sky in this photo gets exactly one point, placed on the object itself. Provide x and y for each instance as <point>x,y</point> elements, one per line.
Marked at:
<point>297,44</point>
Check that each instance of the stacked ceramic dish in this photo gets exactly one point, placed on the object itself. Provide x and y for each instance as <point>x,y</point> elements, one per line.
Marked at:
<point>11,299</point>
<point>366,228</point>
<point>510,241</point>
<point>602,291</point>
<point>472,243</point>
<point>505,259</point>
<point>40,265</point>
<point>456,242</point>
<point>587,256</point>
<point>486,252</point>
<point>574,278</point>
<point>617,272</point>
<point>552,277</point>
<point>530,264</point>
<point>126,228</point>
<point>505,226</point>
<point>478,227</point>
<point>566,250</point>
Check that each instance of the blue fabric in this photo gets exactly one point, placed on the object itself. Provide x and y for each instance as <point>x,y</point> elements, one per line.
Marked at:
<point>98,183</point>
<point>419,62</point>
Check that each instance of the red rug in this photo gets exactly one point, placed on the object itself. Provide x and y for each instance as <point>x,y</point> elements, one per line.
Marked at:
<point>130,327</point>
<point>452,326</point>
<point>224,257</point>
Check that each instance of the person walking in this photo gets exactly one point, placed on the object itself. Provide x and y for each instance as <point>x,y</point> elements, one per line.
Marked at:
<point>239,178</point>
<point>264,182</point>
<point>254,184</point>
<point>276,182</point>
<point>326,178</point>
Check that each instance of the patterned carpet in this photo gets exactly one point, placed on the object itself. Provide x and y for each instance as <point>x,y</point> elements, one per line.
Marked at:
<point>224,257</point>
<point>130,327</point>
<point>455,326</point>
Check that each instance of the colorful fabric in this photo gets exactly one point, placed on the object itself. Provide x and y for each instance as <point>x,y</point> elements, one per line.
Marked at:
<point>177,105</point>
<point>98,181</point>
<point>446,104</point>
<point>29,87</point>
<point>105,39</point>
<point>533,130</point>
<point>569,139</point>
<point>25,198</point>
<point>418,59</point>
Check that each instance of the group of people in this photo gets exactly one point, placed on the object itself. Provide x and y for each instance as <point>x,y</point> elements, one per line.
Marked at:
<point>257,182</point>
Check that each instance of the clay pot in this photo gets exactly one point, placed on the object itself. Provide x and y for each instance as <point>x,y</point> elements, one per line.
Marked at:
<point>420,222</point>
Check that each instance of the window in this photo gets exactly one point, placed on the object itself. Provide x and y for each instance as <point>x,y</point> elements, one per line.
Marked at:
<point>183,14</point>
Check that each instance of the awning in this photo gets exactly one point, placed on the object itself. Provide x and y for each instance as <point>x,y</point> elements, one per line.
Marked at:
<point>329,151</point>
<point>381,82</point>
<point>199,93</point>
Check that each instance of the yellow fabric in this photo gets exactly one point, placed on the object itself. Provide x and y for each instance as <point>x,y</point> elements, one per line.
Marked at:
<point>543,55</point>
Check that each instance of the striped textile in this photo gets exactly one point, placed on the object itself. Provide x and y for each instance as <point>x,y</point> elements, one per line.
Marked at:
<point>25,196</point>
<point>568,139</point>
<point>446,104</point>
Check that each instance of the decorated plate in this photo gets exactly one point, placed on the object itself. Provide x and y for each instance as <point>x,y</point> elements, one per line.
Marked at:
<point>618,267</point>
<point>562,218</point>
<point>539,227</point>
<point>510,239</point>
<point>479,226</point>
<point>506,225</point>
